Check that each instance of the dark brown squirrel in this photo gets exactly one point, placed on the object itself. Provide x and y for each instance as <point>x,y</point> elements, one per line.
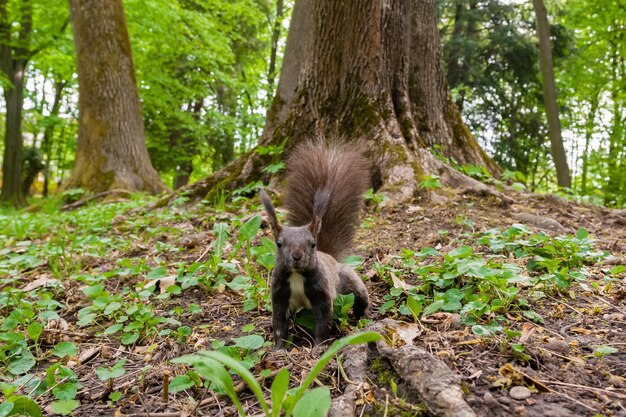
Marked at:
<point>323,196</point>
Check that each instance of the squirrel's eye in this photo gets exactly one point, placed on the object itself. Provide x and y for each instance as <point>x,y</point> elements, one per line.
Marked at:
<point>279,244</point>
<point>312,244</point>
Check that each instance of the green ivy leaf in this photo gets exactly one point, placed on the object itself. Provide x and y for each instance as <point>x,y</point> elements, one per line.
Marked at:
<point>531,315</point>
<point>158,272</point>
<point>112,307</point>
<point>603,350</point>
<point>129,338</point>
<point>66,391</point>
<point>63,349</point>
<point>582,233</point>
<point>23,364</point>
<point>314,403</point>
<point>64,407</point>
<point>34,330</point>
<point>113,329</point>
<point>414,306</point>
<point>24,406</point>
<point>5,408</point>
<point>181,383</point>
<point>115,396</point>
<point>115,371</point>
<point>462,252</point>
<point>249,342</point>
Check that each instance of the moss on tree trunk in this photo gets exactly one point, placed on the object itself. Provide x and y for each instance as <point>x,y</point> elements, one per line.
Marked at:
<point>111,151</point>
<point>368,73</point>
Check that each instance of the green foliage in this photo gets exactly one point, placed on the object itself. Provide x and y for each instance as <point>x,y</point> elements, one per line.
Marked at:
<point>116,371</point>
<point>201,68</point>
<point>603,350</point>
<point>483,287</point>
<point>490,52</point>
<point>300,401</point>
<point>430,182</point>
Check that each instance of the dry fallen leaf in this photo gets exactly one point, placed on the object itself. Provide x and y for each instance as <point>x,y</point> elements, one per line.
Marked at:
<point>580,330</point>
<point>508,371</point>
<point>398,283</point>
<point>527,330</point>
<point>38,283</point>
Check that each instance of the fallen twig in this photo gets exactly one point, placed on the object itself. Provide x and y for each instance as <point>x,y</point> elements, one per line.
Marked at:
<point>585,387</point>
<point>438,386</point>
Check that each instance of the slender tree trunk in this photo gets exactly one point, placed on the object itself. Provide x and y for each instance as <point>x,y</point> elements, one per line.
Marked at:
<point>292,64</point>
<point>616,171</point>
<point>13,59</point>
<point>182,143</point>
<point>48,134</point>
<point>454,68</point>
<point>271,72</point>
<point>12,164</point>
<point>111,151</point>
<point>591,116</point>
<point>549,95</point>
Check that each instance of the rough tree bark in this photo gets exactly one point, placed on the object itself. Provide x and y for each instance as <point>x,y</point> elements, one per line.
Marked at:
<point>549,95</point>
<point>368,72</point>
<point>111,151</point>
<point>14,57</point>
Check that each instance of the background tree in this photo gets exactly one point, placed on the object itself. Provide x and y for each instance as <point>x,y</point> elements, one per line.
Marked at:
<point>15,50</point>
<point>27,29</point>
<point>111,151</point>
<point>202,72</point>
<point>549,94</point>
<point>598,103</point>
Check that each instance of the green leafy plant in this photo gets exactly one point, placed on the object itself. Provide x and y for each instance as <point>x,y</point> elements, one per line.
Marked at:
<point>430,182</point>
<point>110,374</point>
<point>299,401</point>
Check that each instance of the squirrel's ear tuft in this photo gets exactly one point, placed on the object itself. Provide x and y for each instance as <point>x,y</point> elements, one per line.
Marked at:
<point>271,213</point>
<point>315,226</point>
<point>320,204</point>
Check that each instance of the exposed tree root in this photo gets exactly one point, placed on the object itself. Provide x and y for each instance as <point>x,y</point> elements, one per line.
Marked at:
<point>543,222</point>
<point>455,179</point>
<point>355,366</point>
<point>82,202</point>
<point>438,386</point>
<point>485,191</point>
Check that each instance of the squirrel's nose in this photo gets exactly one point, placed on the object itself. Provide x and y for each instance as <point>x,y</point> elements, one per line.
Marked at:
<point>297,255</point>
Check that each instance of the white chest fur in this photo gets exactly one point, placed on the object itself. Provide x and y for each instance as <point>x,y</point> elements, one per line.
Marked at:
<point>298,298</point>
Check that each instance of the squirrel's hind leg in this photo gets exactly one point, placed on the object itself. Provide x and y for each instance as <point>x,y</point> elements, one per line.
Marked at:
<point>350,282</point>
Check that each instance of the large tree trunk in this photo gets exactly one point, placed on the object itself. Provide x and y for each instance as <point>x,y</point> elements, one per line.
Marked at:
<point>111,151</point>
<point>368,72</point>
<point>549,95</point>
<point>13,58</point>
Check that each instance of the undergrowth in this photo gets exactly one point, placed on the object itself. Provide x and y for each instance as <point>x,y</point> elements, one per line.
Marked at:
<point>119,269</point>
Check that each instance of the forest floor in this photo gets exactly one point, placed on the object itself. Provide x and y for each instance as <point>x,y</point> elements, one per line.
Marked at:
<point>532,318</point>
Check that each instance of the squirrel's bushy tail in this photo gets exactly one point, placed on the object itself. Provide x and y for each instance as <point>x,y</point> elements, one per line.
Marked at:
<point>336,175</point>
